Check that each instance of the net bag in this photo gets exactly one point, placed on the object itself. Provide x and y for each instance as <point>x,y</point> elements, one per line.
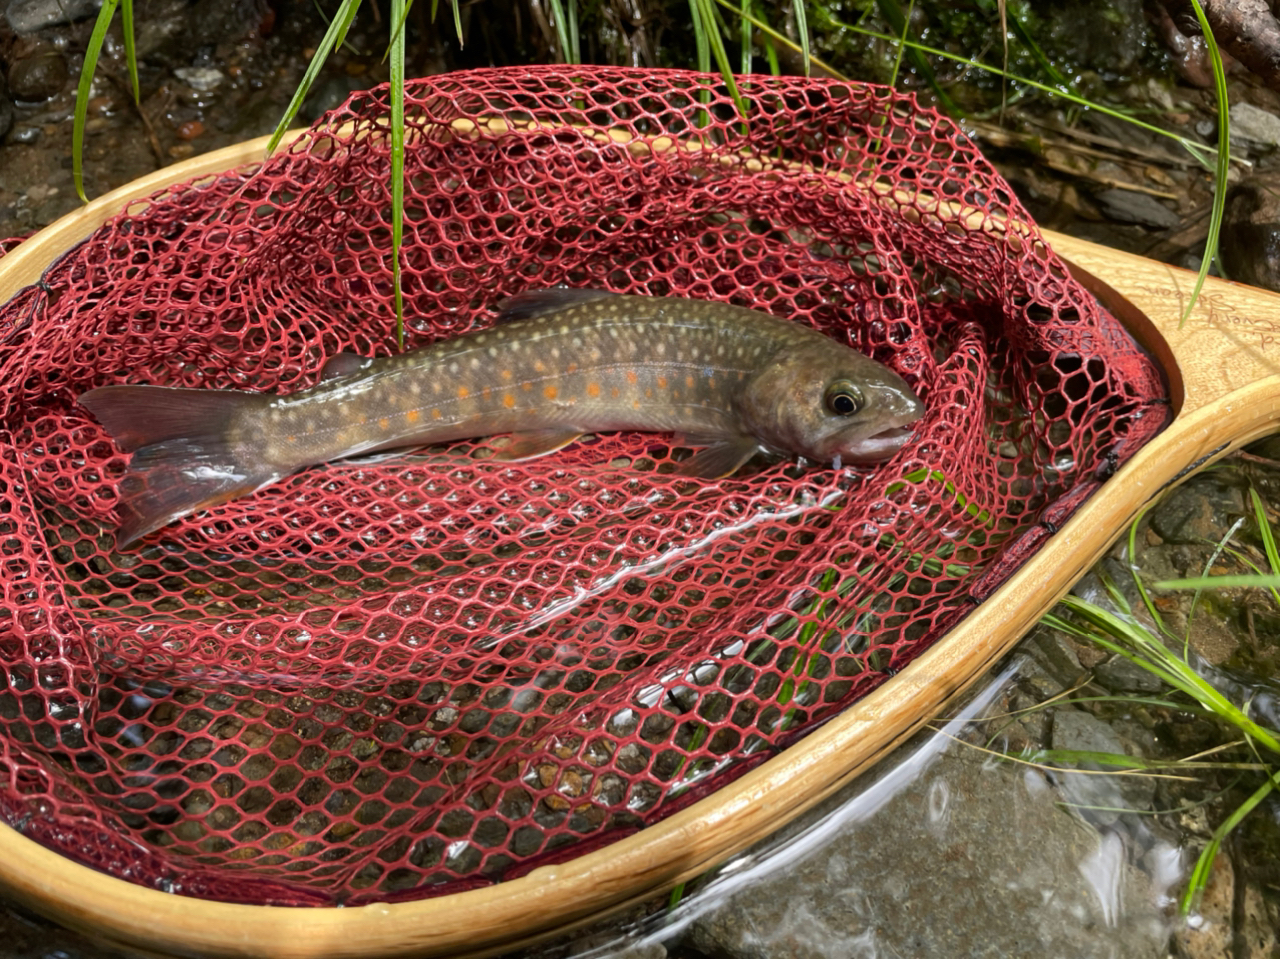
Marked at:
<point>395,678</point>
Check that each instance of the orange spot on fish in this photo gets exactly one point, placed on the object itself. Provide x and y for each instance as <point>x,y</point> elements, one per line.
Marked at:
<point>412,416</point>
<point>291,438</point>
<point>436,414</point>
<point>507,376</point>
<point>593,390</point>
<point>384,423</point>
<point>539,366</point>
<point>688,381</point>
<point>509,400</point>
<point>635,404</point>
<point>486,392</point>
<point>631,377</point>
<point>526,386</point>
<point>648,394</point>
<point>551,392</point>
<point>572,368</point>
<point>614,392</point>
<point>662,382</point>
<point>463,392</point>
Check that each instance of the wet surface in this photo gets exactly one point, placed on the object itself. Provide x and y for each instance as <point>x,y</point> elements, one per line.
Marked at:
<point>973,831</point>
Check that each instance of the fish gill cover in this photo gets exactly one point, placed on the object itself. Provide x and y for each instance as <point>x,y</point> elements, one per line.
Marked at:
<point>387,679</point>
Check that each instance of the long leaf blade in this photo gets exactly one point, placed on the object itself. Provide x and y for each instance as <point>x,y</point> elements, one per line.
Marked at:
<point>337,31</point>
<point>91,54</point>
<point>397,167</point>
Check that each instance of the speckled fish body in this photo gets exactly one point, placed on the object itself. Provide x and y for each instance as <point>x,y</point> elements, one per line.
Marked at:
<point>560,363</point>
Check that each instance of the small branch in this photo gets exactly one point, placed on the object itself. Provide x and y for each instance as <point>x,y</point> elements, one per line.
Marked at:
<point>1244,28</point>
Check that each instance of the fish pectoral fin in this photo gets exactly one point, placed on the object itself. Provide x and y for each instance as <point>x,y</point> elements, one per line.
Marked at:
<point>525,446</point>
<point>533,303</point>
<point>721,458</point>
<point>343,364</point>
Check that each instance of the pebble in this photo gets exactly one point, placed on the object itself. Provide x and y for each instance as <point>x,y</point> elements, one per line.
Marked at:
<point>1250,241</point>
<point>1252,123</point>
<point>203,79</point>
<point>28,16</point>
<point>38,77</point>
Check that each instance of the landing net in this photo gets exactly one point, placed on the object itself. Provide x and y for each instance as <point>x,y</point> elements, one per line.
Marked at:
<point>396,678</point>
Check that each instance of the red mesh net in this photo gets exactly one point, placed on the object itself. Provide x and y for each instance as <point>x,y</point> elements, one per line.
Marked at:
<point>388,679</point>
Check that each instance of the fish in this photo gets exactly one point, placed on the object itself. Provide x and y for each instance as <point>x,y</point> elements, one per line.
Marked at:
<point>557,364</point>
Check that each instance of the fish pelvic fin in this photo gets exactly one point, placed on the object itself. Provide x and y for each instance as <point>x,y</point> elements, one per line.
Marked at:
<point>525,446</point>
<point>182,460</point>
<point>721,458</point>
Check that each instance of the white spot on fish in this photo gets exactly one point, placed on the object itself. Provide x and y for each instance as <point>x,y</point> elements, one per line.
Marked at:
<point>836,463</point>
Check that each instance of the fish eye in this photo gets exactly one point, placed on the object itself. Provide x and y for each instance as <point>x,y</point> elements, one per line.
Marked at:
<point>844,398</point>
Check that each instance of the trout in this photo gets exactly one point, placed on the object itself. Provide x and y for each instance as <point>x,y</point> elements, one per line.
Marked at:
<point>558,364</point>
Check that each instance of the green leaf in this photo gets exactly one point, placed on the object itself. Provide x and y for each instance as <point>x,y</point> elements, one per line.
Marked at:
<point>397,166</point>
<point>1224,160</point>
<point>336,33</point>
<point>745,27</point>
<point>802,28</point>
<point>1204,865</point>
<point>91,54</point>
<point>1221,582</point>
<point>700,36</point>
<point>130,48</point>
<point>568,49</point>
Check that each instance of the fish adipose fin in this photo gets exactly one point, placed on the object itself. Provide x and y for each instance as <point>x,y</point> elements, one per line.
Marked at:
<point>182,461</point>
<point>525,446</point>
<point>533,303</point>
<point>721,458</point>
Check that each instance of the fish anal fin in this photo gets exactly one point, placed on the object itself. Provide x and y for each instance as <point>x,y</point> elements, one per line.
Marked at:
<point>525,446</point>
<point>721,458</point>
<point>342,364</point>
<point>524,306</point>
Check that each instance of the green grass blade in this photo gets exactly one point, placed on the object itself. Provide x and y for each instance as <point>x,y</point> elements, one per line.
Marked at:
<point>91,54</point>
<point>336,33</point>
<point>457,20</point>
<point>900,22</point>
<point>397,167</point>
<point>745,26</point>
<point>701,45</point>
<point>1197,150</point>
<point>574,43</point>
<point>1224,160</point>
<point>721,55</point>
<point>1266,581</point>
<point>1265,531</point>
<point>775,36</point>
<point>562,30</point>
<point>902,46</point>
<point>1200,874</point>
<point>130,48</point>
<point>802,28</point>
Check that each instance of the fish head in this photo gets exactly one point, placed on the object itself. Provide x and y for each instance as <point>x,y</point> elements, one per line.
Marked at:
<point>830,404</point>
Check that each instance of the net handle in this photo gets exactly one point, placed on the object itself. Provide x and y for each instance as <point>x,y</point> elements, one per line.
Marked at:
<point>1227,394</point>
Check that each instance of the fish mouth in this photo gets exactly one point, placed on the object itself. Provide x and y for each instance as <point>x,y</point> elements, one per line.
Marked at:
<point>877,447</point>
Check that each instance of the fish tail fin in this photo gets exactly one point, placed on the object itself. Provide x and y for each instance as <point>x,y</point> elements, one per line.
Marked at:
<point>182,459</point>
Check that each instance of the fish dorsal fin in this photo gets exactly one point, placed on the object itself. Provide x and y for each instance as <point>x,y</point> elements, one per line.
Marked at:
<point>524,306</point>
<point>342,364</point>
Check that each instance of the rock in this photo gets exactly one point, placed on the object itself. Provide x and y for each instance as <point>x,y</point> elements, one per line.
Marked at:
<point>39,76</point>
<point>28,16</point>
<point>1120,675</point>
<point>1113,38</point>
<point>969,859</point>
<point>6,109</point>
<point>1097,798</point>
<point>1200,511</point>
<point>1250,241</point>
<point>203,79</point>
<point>1254,124</point>
<point>1130,207</point>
